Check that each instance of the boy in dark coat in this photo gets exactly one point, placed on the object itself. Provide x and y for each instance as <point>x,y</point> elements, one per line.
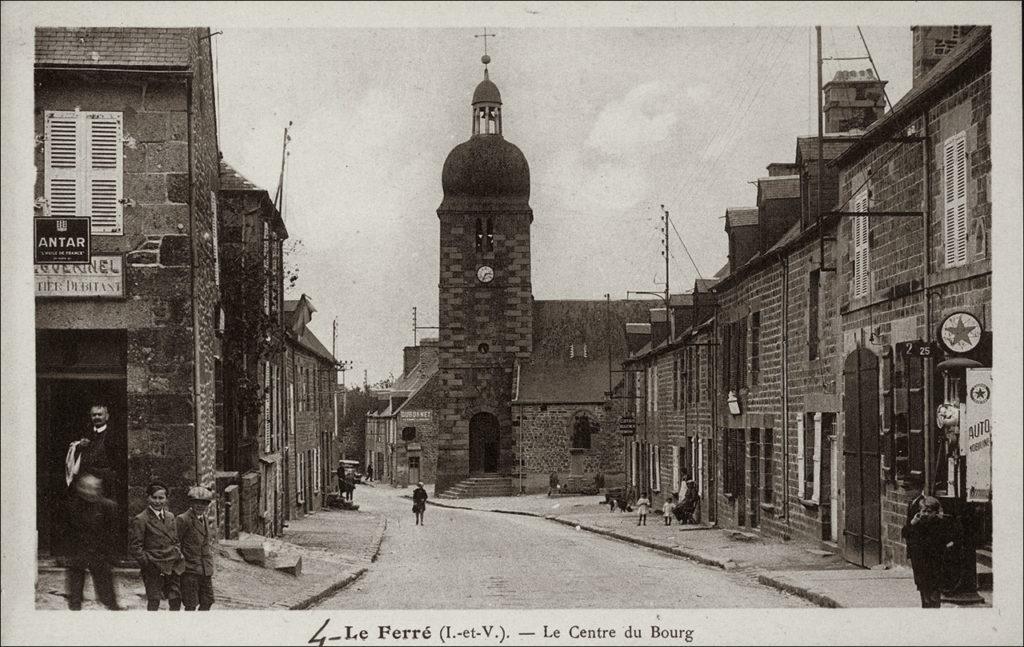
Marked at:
<point>155,546</point>
<point>927,533</point>
<point>89,531</point>
<point>419,502</point>
<point>197,539</point>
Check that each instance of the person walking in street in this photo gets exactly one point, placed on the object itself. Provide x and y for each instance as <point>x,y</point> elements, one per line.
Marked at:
<point>666,509</point>
<point>419,502</point>
<point>155,546</point>
<point>643,506</point>
<point>928,534</point>
<point>341,479</point>
<point>89,531</point>
<point>369,472</point>
<point>197,541</point>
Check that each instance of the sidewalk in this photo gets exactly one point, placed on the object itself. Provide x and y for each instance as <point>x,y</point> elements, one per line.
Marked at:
<point>802,569</point>
<point>335,548</point>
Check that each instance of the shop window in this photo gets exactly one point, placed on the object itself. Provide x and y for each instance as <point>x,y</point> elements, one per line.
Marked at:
<point>907,437</point>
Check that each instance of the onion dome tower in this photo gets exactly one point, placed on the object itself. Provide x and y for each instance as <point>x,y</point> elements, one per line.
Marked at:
<point>485,299</point>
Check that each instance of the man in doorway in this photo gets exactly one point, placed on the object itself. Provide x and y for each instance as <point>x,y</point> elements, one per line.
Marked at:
<point>369,472</point>
<point>94,453</point>
<point>89,530</point>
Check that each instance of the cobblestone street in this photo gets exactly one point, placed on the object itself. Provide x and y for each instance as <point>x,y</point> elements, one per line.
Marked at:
<point>475,560</point>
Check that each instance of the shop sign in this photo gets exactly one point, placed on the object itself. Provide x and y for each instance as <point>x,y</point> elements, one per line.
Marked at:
<point>61,240</point>
<point>415,415</point>
<point>627,425</point>
<point>102,277</point>
<point>960,332</point>
<point>976,434</point>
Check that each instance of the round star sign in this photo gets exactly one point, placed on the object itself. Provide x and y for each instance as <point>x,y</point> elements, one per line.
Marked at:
<point>960,332</point>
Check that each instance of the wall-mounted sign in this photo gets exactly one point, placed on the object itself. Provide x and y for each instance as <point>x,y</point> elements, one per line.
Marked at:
<point>102,277</point>
<point>976,434</point>
<point>627,425</point>
<point>734,404</point>
<point>415,415</point>
<point>960,332</point>
<point>918,349</point>
<point>61,240</point>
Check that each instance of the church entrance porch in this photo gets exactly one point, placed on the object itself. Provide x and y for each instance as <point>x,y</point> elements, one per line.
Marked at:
<point>484,445</point>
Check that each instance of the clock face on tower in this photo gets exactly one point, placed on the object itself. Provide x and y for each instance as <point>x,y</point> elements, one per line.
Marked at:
<point>485,274</point>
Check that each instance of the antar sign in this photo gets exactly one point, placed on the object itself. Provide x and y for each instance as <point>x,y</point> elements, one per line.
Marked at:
<point>62,240</point>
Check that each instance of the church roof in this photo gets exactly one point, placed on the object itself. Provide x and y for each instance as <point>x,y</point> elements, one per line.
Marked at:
<point>486,92</point>
<point>485,173</point>
<point>560,369</point>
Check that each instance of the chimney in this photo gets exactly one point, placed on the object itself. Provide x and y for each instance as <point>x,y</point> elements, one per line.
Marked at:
<point>741,224</point>
<point>659,326</point>
<point>410,358</point>
<point>931,43</point>
<point>776,169</point>
<point>853,101</point>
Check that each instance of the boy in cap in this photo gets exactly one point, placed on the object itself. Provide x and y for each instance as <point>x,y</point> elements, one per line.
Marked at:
<point>154,545</point>
<point>197,548</point>
<point>419,502</point>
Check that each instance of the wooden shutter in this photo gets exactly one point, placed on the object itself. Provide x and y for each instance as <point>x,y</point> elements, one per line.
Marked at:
<point>104,174</point>
<point>63,167</point>
<point>954,180</point>
<point>861,256</point>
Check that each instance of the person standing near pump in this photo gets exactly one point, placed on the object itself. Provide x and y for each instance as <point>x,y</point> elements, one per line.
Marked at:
<point>928,534</point>
<point>197,548</point>
<point>155,546</point>
<point>643,506</point>
<point>419,502</point>
<point>90,526</point>
<point>666,509</point>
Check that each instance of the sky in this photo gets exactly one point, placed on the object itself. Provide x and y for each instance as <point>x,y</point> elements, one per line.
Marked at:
<point>619,108</point>
<point>614,122</point>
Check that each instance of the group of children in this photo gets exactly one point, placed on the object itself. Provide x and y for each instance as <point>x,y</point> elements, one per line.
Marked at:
<point>175,553</point>
<point>685,511</point>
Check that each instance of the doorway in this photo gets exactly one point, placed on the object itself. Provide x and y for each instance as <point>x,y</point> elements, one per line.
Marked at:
<point>862,534</point>
<point>414,469</point>
<point>484,438</point>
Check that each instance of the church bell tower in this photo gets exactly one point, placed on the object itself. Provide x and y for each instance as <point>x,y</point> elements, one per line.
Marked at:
<point>485,296</point>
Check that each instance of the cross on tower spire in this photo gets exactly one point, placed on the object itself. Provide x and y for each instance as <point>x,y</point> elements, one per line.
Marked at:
<point>485,59</point>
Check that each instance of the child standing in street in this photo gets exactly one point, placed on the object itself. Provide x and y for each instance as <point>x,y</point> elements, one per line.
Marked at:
<point>643,506</point>
<point>666,509</point>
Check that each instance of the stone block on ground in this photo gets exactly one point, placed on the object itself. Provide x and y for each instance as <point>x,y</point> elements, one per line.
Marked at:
<point>252,552</point>
<point>290,564</point>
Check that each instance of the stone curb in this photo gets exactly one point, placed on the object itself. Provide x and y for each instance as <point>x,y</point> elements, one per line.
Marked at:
<point>787,586</point>
<point>330,590</point>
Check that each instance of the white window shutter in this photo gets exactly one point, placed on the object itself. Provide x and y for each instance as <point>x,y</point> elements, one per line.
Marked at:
<point>954,217</point>
<point>63,166</point>
<point>104,172</point>
<point>800,460</point>
<point>861,255</point>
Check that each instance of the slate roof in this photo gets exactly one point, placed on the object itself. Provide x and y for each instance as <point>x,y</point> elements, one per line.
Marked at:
<point>740,217</point>
<point>114,46</point>
<point>778,187</point>
<point>550,376</point>
<point>832,146</point>
<point>232,180</point>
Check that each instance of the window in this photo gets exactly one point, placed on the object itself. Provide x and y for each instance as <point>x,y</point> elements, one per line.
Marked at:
<point>581,430</point>
<point>767,449</point>
<point>479,235</point>
<point>813,296</point>
<point>726,354</point>
<point>907,415</point>
<point>954,191</point>
<point>733,458</point>
<point>83,174</point>
<point>675,381</point>
<point>755,346</point>
<point>861,252</point>
<point>696,374</point>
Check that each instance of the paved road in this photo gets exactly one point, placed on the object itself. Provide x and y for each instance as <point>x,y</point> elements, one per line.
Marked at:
<point>466,559</point>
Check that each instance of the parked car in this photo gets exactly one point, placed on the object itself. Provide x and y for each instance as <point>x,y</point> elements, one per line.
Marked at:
<point>352,469</point>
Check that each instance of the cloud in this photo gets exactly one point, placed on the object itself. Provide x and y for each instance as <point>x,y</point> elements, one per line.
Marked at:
<point>628,125</point>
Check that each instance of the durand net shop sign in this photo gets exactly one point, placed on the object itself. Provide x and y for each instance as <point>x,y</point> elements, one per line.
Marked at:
<point>102,277</point>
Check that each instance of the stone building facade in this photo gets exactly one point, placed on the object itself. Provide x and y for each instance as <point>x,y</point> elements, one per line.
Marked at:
<point>310,376</point>
<point>126,135</point>
<point>250,440</point>
<point>899,278</point>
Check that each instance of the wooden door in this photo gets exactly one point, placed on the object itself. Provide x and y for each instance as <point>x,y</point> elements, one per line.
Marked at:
<point>862,533</point>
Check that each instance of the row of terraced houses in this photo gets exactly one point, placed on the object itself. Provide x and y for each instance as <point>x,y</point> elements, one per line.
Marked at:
<point>178,325</point>
<point>799,386</point>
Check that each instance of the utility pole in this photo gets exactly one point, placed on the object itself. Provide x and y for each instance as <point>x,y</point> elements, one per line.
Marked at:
<point>416,327</point>
<point>665,253</point>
